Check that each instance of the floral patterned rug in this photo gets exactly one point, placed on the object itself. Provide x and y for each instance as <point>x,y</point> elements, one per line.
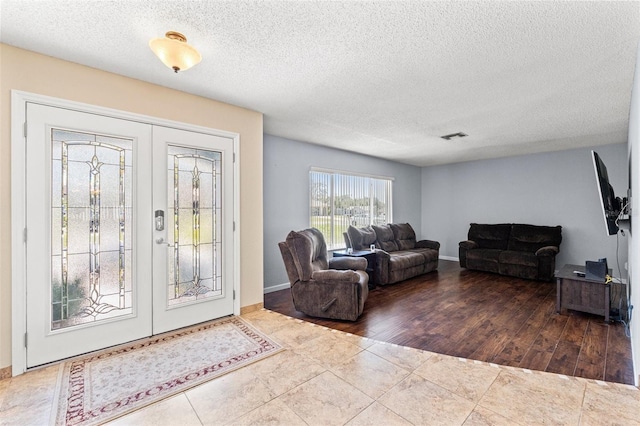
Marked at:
<point>101,386</point>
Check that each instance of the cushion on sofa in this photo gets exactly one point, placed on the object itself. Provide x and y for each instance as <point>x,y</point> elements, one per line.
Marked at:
<point>530,238</point>
<point>405,259</point>
<point>361,238</point>
<point>523,258</point>
<point>384,238</point>
<point>520,271</point>
<point>429,254</point>
<point>483,259</point>
<point>404,235</point>
<point>490,236</point>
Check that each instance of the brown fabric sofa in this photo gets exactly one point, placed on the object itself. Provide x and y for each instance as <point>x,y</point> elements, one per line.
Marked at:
<point>333,288</point>
<point>518,250</point>
<point>398,255</point>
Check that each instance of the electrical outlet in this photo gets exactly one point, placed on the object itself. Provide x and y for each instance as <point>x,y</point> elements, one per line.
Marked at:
<point>626,266</point>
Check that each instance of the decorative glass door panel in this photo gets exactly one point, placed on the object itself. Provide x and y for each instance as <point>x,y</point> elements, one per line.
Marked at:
<point>193,254</point>
<point>89,242</point>
<point>194,211</point>
<point>91,221</point>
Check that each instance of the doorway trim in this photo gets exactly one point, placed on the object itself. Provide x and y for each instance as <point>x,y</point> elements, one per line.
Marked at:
<point>19,100</point>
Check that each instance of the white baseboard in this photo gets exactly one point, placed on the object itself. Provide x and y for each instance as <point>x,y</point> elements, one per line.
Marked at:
<point>276,287</point>
<point>454,259</point>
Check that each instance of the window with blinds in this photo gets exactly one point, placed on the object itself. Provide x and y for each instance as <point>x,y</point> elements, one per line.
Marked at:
<point>338,200</point>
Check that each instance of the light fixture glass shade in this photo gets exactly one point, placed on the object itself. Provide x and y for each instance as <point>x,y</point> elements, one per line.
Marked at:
<point>174,51</point>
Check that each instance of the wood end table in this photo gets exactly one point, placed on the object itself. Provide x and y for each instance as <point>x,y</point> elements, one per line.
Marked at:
<point>580,294</point>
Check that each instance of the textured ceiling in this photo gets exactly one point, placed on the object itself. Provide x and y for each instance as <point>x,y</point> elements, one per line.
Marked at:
<point>381,78</point>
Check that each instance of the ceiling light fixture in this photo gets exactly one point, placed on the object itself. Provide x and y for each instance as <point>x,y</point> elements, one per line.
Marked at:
<point>174,51</point>
<point>454,135</point>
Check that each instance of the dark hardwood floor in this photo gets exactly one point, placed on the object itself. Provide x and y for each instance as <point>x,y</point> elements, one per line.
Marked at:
<point>486,317</point>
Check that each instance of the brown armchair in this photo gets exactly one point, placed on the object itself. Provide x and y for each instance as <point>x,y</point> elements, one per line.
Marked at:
<point>335,288</point>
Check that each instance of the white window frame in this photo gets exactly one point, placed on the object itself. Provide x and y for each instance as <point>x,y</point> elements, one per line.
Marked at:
<point>336,242</point>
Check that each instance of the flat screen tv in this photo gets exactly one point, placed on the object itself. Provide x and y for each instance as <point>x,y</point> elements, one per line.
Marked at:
<point>612,206</point>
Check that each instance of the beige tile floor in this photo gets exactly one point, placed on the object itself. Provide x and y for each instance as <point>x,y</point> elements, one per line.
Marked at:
<point>326,377</point>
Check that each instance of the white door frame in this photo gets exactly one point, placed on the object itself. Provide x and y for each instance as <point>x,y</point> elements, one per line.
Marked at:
<point>19,101</point>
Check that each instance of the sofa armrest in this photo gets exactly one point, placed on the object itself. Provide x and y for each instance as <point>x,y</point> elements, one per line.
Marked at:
<point>468,245</point>
<point>547,251</point>
<point>428,244</point>
<point>546,262</point>
<point>330,276</point>
<point>343,263</point>
<point>381,272</point>
<point>382,255</point>
<point>463,248</point>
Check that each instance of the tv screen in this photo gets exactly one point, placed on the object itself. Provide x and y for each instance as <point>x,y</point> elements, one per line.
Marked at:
<point>611,206</point>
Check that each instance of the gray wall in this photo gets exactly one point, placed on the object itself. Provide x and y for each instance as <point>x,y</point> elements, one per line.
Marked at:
<point>286,192</point>
<point>634,243</point>
<point>555,188</point>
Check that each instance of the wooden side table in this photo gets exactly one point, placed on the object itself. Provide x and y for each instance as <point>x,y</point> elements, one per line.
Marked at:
<point>371,262</point>
<point>580,294</point>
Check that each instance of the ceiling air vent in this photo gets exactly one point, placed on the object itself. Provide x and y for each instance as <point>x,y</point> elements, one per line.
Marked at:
<point>454,135</point>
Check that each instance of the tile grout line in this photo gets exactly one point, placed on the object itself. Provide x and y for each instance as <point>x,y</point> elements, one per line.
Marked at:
<point>192,407</point>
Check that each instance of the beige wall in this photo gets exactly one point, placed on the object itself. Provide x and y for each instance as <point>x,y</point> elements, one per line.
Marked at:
<point>35,73</point>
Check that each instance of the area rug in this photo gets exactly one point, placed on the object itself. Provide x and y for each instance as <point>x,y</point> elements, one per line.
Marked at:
<point>101,386</point>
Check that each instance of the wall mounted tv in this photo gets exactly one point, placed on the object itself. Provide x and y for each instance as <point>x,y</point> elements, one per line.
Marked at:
<point>614,208</point>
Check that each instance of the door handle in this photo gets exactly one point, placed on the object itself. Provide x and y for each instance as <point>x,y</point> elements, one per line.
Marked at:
<point>161,241</point>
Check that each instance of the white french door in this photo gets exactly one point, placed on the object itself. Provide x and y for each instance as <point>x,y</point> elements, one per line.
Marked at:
<point>100,267</point>
<point>193,268</point>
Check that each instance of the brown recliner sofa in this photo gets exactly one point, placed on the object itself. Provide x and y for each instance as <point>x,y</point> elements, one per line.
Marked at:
<point>333,288</point>
<point>518,250</point>
<point>398,255</point>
